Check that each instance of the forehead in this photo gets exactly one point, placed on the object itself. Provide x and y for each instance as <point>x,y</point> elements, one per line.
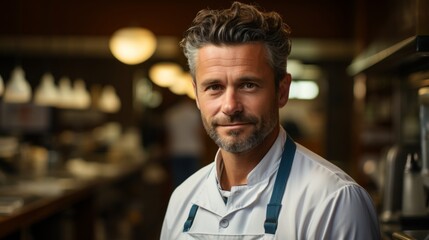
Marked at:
<point>245,57</point>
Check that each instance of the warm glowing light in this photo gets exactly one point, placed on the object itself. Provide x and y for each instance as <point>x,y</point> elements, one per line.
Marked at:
<point>132,45</point>
<point>109,100</point>
<point>65,93</point>
<point>81,95</point>
<point>182,85</point>
<point>165,74</point>
<point>18,90</point>
<point>46,93</point>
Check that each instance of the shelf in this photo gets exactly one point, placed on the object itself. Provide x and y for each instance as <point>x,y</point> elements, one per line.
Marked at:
<point>405,53</point>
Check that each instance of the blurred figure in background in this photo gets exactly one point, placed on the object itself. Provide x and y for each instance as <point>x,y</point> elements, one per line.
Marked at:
<point>185,143</point>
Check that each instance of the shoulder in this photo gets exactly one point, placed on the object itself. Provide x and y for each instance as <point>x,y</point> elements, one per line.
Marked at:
<point>336,209</point>
<point>322,196</point>
<point>315,170</point>
<point>327,183</point>
<point>313,180</point>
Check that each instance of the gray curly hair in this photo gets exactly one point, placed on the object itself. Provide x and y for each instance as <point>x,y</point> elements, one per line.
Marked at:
<point>242,23</point>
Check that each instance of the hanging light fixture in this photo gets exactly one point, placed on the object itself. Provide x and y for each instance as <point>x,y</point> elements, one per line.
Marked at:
<point>109,100</point>
<point>165,74</point>
<point>183,84</point>
<point>81,95</point>
<point>65,93</point>
<point>46,93</point>
<point>132,45</point>
<point>18,90</point>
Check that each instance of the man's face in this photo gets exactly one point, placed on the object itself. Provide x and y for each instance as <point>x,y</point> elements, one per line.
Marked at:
<point>236,95</point>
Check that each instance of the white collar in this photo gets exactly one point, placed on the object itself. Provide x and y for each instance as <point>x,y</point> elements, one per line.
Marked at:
<point>265,167</point>
<point>210,197</point>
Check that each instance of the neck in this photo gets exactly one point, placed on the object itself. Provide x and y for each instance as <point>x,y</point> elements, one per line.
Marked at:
<point>238,165</point>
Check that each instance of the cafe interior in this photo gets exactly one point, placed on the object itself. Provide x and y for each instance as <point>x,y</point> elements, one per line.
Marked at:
<point>87,89</point>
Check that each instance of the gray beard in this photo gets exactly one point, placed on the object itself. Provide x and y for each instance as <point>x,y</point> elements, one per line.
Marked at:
<point>239,146</point>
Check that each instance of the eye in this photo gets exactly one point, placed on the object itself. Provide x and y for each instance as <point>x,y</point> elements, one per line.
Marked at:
<point>248,85</point>
<point>214,87</point>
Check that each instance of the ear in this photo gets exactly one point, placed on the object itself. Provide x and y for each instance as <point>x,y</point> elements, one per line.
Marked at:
<point>194,85</point>
<point>284,86</point>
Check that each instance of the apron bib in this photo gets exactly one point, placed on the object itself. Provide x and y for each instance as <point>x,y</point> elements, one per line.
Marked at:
<point>273,207</point>
<point>197,236</point>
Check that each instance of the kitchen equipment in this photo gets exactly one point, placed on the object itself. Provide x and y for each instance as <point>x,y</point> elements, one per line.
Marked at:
<point>413,197</point>
<point>395,159</point>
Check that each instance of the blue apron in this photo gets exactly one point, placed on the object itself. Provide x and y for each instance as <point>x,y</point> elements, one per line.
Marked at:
<point>274,206</point>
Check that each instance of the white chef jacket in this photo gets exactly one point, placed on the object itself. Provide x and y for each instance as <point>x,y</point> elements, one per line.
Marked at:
<point>320,202</point>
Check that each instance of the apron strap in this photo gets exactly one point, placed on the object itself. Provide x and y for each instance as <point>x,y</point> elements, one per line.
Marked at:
<point>191,217</point>
<point>192,214</point>
<point>274,206</point>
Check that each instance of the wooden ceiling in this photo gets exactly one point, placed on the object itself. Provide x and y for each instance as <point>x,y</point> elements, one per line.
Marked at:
<point>308,18</point>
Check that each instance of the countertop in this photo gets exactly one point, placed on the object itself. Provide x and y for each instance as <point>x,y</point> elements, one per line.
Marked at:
<point>27,200</point>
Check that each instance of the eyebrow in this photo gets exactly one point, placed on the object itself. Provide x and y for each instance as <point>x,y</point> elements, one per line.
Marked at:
<point>208,82</point>
<point>242,79</point>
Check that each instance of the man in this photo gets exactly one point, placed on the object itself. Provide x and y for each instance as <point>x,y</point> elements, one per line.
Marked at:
<point>261,184</point>
<point>185,145</point>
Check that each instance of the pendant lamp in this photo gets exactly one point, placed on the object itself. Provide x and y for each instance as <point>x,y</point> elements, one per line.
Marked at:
<point>132,45</point>
<point>46,93</point>
<point>65,91</point>
<point>165,74</point>
<point>109,100</point>
<point>81,95</point>
<point>17,90</point>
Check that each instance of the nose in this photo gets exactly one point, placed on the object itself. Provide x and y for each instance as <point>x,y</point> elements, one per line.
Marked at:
<point>231,103</point>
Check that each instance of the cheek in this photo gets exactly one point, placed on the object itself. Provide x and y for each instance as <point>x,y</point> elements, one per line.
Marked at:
<point>209,108</point>
<point>257,106</point>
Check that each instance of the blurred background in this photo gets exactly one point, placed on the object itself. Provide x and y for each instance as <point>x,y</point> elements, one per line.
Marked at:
<point>98,123</point>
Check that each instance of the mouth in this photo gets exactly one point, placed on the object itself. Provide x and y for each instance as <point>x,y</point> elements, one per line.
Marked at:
<point>235,125</point>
